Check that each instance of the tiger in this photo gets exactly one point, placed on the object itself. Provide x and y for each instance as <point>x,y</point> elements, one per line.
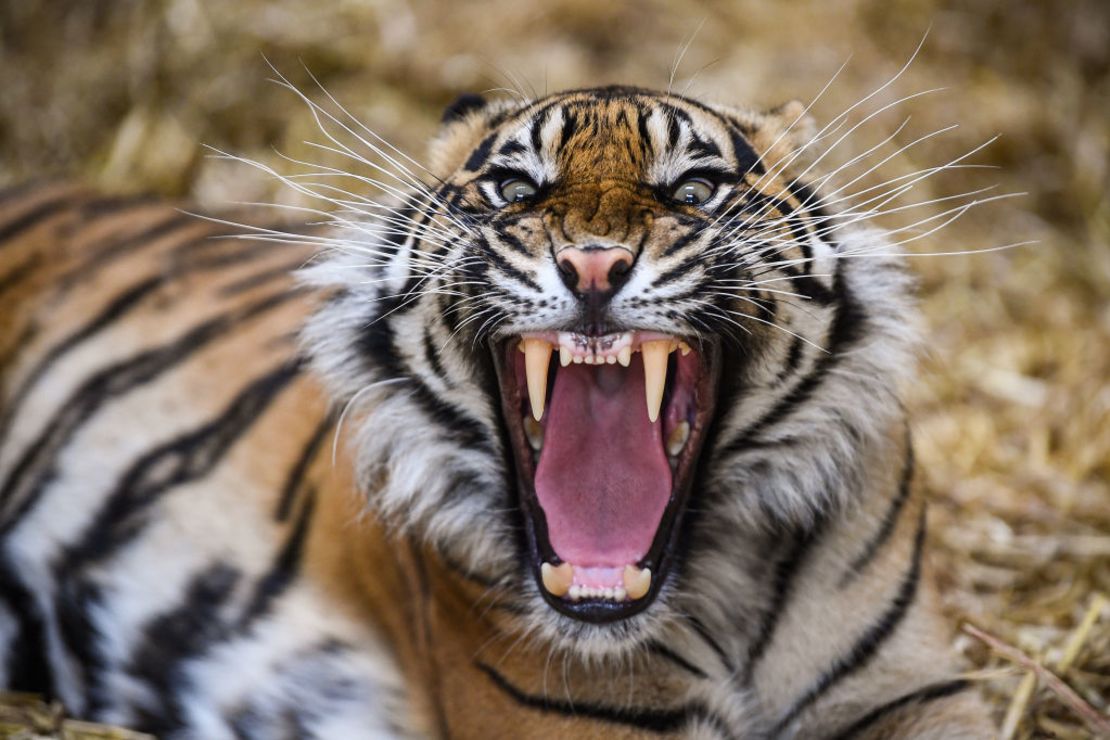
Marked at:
<point>592,428</point>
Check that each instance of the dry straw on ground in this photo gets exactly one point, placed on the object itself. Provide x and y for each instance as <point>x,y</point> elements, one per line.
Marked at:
<point>1012,412</point>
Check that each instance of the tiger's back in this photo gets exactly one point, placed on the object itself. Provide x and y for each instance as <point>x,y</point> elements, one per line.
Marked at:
<point>162,450</point>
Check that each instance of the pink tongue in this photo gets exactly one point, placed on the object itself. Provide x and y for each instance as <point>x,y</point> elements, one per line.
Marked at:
<point>603,479</point>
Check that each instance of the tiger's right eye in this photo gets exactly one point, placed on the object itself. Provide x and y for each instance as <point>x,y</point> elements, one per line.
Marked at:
<point>517,190</point>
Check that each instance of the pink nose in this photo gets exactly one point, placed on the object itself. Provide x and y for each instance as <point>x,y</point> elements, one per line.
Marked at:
<point>594,269</point>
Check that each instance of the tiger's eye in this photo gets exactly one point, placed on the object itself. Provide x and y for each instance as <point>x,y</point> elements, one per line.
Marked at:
<point>693,192</point>
<point>516,190</point>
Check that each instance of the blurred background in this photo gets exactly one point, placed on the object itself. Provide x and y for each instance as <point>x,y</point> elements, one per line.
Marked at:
<point>1012,411</point>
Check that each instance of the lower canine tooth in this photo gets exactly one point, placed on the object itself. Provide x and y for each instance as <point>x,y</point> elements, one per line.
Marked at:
<point>636,581</point>
<point>676,440</point>
<point>557,578</point>
<point>533,430</point>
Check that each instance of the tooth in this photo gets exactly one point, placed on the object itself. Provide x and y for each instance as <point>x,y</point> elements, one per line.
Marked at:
<point>676,440</point>
<point>578,359</point>
<point>557,578</point>
<point>534,432</point>
<point>619,593</point>
<point>611,359</point>
<point>684,347</point>
<point>636,581</point>
<point>575,593</point>
<point>564,356</point>
<point>655,374</point>
<point>537,357</point>
<point>625,356</point>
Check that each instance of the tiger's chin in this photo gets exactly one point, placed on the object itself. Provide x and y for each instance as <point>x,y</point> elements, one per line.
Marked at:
<point>606,434</point>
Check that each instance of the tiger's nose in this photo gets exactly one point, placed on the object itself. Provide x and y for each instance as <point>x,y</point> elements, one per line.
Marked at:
<point>592,269</point>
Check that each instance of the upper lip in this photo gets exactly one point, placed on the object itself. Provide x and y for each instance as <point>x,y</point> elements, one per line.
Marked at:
<point>537,348</point>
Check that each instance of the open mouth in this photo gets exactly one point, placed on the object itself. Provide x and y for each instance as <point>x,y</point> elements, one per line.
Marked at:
<point>606,432</point>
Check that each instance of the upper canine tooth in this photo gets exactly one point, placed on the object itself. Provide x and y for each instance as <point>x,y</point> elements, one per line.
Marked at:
<point>636,581</point>
<point>624,356</point>
<point>655,374</point>
<point>537,357</point>
<point>557,578</point>
<point>676,440</point>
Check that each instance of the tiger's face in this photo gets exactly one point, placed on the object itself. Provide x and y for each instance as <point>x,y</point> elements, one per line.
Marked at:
<point>573,338</point>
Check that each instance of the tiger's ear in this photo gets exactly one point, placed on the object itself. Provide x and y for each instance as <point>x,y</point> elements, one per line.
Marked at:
<point>793,118</point>
<point>465,124</point>
<point>784,132</point>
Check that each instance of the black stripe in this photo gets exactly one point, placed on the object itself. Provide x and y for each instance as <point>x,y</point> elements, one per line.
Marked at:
<point>28,667</point>
<point>116,308</point>
<point>188,457</point>
<point>570,124</point>
<point>431,353</point>
<point>297,472</point>
<point>468,574</point>
<point>682,269</point>
<point>172,637</point>
<point>681,242</point>
<point>782,586</point>
<point>511,147</point>
<point>666,653</point>
<point>19,273</point>
<point>34,216</point>
<point>924,695</point>
<point>9,193</point>
<point>651,720</point>
<point>121,518</point>
<point>479,156</point>
<point>537,130</point>
<point>505,267</point>
<point>260,278</point>
<point>378,348</point>
<point>847,328</point>
<point>107,250</point>
<point>793,360</point>
<point>867,646</point>
<point>646,144</point>
<point>890,518</point>
<point>283,572</point>
<point>746,158</point>
<point>100,389</point>
<point>703,632</point>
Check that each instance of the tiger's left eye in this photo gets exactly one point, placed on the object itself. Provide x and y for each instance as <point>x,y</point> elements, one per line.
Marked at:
<point>516,190</point>
<point>693,192</point>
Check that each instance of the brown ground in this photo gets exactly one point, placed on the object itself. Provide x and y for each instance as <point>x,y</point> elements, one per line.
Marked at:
<point>1012,414</point>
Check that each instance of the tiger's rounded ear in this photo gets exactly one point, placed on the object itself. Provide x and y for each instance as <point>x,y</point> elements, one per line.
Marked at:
<point>465,124</point>
<point>780,135</point>
<point>792,117</point>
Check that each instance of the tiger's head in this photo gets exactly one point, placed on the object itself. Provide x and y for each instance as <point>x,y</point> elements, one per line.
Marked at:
<point>608,349</point>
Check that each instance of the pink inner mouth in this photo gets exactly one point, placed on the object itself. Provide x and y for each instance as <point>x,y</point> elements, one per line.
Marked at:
<point>603,477</point>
